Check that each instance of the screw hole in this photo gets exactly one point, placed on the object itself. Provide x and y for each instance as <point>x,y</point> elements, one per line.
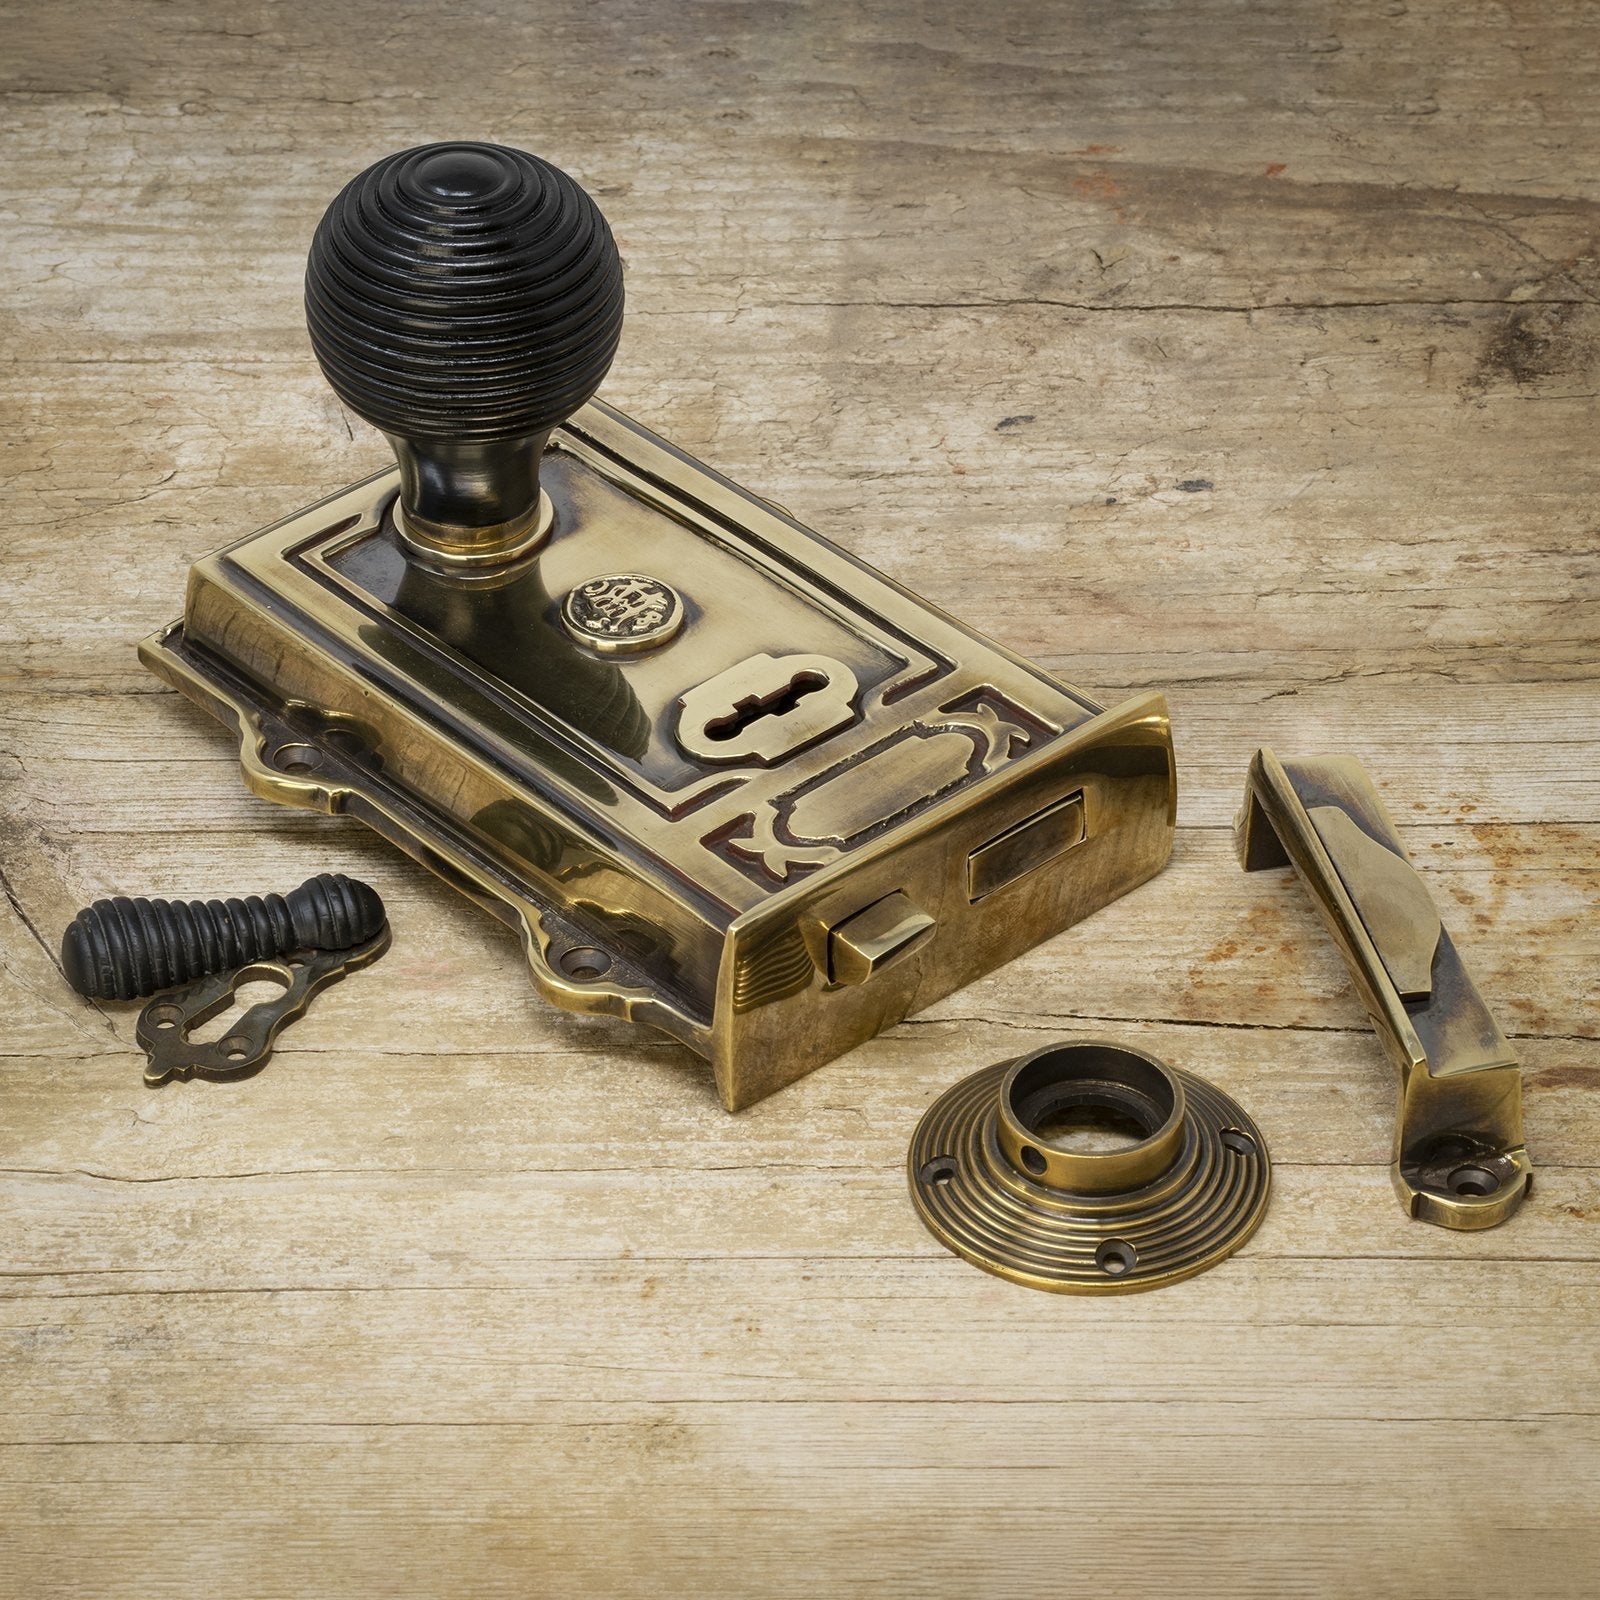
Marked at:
<point>1116,1258</point>
<point>1238,1141</point>
<point>1472,1181</point>
<point>937,1172</point>
<point>584,963</point>
<point>1032,1160</point>
<point>236,1049</point>
<point>296,759</point>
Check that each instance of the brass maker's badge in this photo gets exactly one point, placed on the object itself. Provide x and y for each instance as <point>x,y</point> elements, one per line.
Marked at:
<point>623,612</point>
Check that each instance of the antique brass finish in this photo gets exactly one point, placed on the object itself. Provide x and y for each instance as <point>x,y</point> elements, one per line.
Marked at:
<point>995,1179</point>
<point>1459,1157</point>
<point>622,613</point>
<point>462,720</point>
<point>684,744</point>
<point>165,1024</point>
<point>1027,846</point>
<point>449,548</point>
<point>860,947</point>
<point>765,708</point>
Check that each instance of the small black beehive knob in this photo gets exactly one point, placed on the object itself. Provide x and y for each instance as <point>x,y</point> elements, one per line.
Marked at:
<point>122,949</point>
<point>465,298</point>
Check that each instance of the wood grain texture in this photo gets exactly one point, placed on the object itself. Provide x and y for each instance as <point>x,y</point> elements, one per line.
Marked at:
<point>1248,352</point>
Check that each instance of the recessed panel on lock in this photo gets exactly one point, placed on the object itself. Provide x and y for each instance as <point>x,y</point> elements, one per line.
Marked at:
<point>724,778</point>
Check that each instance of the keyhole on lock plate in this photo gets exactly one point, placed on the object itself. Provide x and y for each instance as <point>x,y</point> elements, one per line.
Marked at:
<point>779,703</point>
<point>764,708</point>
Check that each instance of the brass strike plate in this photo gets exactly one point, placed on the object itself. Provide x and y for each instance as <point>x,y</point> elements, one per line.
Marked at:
<point>679,828</point>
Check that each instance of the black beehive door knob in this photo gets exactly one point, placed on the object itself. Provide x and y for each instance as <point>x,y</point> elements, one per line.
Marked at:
<point>465,298</point>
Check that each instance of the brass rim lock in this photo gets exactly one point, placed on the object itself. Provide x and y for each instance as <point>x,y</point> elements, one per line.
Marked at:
<point>1004,1173</point>
<point>723,779</point>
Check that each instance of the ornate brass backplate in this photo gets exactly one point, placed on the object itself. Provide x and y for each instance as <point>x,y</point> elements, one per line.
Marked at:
<point>1459,1157</point>
<point>723,778</point>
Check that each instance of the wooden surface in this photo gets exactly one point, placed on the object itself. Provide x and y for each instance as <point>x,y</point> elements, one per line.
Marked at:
<point>1250,352</point>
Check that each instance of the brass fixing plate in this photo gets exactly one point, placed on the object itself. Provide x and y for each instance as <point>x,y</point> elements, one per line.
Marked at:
<point>994,1179</point>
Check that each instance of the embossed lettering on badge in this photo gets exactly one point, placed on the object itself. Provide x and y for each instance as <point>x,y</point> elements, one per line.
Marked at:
<point>722,777</point>
<point>623,613</point>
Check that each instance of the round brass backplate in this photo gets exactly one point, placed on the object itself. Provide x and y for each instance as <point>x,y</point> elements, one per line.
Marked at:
<point>996,1177</point>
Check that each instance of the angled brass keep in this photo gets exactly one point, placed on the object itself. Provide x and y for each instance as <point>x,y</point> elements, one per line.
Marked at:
<point>1459,1158</point>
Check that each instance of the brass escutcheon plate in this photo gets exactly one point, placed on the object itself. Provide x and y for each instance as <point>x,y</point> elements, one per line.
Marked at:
<point>165,1024</point>
<point>995,1180</point>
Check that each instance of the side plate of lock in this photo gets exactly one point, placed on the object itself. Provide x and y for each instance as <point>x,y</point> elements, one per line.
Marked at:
<point>1459,1156</point>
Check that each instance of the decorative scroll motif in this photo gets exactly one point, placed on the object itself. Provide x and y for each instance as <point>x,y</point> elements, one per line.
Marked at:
<point>986,699</point>
<point>821,820</point>
<point>1000,738</point>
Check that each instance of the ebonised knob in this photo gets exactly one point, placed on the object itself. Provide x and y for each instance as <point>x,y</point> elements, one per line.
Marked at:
<point>465,298</point>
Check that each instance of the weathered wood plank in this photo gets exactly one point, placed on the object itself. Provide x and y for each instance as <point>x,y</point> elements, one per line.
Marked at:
<point>1250,353</point>
<point>1096,474</point>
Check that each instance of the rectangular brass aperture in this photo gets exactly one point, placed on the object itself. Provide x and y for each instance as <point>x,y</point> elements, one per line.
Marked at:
<point>1026,845</point>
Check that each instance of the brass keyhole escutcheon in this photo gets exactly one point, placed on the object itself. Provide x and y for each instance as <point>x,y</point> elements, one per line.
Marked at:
<point>765,708</point>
